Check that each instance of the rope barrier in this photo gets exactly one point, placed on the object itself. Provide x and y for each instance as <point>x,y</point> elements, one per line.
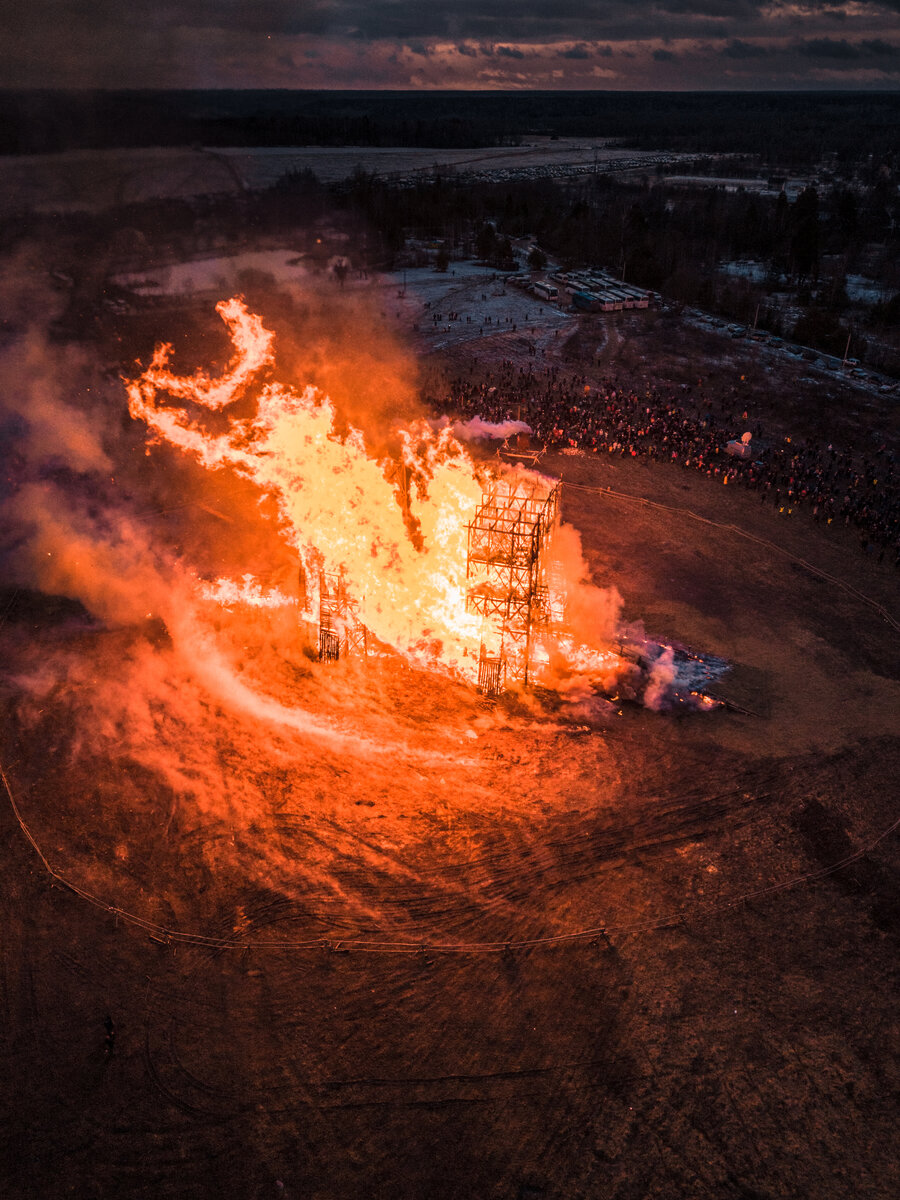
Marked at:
<point>168,936</point>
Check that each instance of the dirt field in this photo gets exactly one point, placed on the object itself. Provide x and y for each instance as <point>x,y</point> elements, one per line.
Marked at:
<point>731,1033</point>
<point>400,942</point>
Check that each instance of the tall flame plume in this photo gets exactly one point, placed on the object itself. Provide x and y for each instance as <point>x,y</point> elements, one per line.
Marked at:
<point>338,507</point>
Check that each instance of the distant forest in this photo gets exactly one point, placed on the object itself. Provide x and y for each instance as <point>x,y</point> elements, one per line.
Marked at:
<point>671,239</point>
<point>783,128</point>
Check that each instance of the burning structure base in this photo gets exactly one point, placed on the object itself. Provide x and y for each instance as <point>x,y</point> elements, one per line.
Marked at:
<point>512,586</point>
<point>509,584</point>
<point>340,630</point>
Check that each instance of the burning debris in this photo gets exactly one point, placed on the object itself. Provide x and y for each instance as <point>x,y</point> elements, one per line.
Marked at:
<point>428,554</point>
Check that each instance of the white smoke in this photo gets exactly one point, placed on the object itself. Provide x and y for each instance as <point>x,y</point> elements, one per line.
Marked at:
<point>661,681</point>
<point>472,430</point>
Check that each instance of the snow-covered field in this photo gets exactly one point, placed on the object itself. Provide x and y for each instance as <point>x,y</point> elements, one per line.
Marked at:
<point>216,272</point>
<point>99,179</point>
<point>859,288</point>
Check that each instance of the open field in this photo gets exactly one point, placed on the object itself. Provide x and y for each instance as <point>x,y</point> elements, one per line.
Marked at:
<point>729,1035</point>
<point>93,180</point>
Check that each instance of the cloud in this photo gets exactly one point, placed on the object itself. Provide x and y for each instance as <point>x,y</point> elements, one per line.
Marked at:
<point>741,50</point>
<point>832,48</point>
<point>841,50</point>
<point>879,48</point>
<point>584,50</point>
<point>230,43</point>
<point>730,9</point>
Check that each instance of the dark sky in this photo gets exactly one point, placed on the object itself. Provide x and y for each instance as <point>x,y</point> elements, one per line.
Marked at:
<point>666,44</point>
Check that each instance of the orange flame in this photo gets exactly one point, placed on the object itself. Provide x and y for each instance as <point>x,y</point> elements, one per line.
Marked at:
<point>332,498</point>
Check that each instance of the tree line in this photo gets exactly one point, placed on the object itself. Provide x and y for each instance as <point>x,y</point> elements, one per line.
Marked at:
<point>788,129</point>
<point>667,237</point>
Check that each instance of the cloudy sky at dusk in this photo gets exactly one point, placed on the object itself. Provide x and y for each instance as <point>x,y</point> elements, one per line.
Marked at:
<point>478,44</point>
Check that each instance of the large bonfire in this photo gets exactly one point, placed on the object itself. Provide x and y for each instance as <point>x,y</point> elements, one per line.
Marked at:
<point>399,549</point>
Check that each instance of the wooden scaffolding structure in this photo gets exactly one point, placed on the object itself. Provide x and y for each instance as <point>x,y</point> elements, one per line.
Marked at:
<point>508,574</point>
<point>340,630</point>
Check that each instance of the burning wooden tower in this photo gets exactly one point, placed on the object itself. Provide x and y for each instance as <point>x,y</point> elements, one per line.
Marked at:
<point>340,630</point>
<point>508,573</point>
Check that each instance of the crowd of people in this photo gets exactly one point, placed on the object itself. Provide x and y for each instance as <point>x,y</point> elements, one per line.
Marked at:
<point>692,427</point>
